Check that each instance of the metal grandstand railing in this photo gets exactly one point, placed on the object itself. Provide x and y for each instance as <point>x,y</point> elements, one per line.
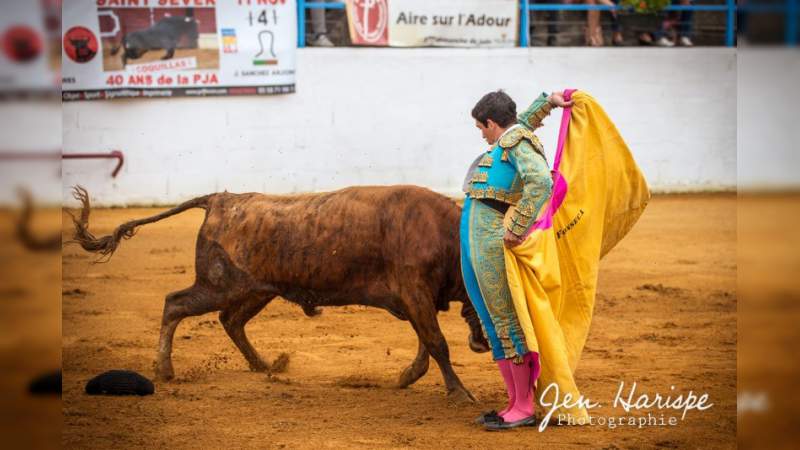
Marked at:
<point>789,8</point>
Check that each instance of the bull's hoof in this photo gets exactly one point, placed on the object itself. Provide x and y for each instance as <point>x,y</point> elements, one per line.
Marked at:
<point>164,372</point>
<point>461,395</point>
<point>406,379</point>
<point>478,345</point>
<point>410,376</point>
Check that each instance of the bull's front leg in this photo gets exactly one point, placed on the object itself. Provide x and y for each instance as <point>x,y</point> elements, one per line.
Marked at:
<point>422,314</point>
<point>417,369</point>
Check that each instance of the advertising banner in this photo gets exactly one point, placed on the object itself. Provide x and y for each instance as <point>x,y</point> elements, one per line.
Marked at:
<point>165,48</point>
<point>433,23</point>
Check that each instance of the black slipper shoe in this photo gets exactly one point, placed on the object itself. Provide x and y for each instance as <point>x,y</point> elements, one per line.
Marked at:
<point>503,425</point>
<point>486,417</point>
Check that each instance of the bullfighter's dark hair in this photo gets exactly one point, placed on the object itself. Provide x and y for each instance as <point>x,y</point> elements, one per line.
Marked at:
<point>496,106</point>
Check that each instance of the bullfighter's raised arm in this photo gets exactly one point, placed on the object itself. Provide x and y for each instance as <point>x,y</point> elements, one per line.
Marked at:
<point>532,117</point>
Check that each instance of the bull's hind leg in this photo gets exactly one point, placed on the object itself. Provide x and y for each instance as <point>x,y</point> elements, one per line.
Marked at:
<point>235,317</point>
<point>179,305</point>
<point>422,315</point>
<point>417,369</point>
<point>170,53</point>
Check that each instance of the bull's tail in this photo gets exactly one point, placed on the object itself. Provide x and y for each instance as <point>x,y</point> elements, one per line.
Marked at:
<point>106,245</point>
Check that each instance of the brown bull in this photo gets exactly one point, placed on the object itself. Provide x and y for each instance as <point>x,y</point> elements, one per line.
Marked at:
<point>391,247</point>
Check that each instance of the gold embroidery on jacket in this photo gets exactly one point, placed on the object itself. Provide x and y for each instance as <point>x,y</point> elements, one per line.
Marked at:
<point>513,137</point>
<point>480,177</point>
<point>535,119</point>
<point>486,161</point>
<point>510,198</point>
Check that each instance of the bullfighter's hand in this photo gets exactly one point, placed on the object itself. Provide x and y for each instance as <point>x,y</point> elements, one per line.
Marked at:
<point>557,99</point>
<point>511,240</point>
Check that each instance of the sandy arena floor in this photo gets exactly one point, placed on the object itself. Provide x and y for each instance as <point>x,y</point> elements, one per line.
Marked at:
<point>665,316</point>
<point>30,334</point>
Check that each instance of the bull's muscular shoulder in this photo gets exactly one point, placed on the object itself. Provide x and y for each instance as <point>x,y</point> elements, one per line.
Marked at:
<point>519,135</point>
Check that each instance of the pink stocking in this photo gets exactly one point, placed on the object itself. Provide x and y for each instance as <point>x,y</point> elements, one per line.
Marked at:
<point>524,376</point>
<point>505,370</point>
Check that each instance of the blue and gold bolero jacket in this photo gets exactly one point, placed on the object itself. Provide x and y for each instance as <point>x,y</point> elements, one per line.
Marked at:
<point>515,171</point>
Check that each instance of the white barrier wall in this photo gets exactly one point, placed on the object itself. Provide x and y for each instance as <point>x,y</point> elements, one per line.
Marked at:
<point>768,131</point>
<point>30,128</point>
<point>390,116</point>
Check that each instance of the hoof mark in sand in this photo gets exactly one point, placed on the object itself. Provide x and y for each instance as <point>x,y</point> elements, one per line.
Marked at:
<point>74,293</point>
<point>660,289</point>
<point>356,382</point>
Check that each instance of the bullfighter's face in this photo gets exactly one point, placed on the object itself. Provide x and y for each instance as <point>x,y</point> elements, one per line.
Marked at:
<point>490,132</point>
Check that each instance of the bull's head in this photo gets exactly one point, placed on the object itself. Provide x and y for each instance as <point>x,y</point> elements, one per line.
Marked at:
<point>79,44</point>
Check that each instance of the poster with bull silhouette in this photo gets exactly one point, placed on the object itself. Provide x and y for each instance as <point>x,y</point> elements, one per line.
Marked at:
<point>165,48</point>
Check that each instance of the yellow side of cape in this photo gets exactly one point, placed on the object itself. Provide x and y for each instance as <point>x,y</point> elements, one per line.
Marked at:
<point>553,273</point>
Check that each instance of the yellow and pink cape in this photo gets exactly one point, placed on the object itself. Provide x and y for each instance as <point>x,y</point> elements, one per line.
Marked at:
<point>598,195</point>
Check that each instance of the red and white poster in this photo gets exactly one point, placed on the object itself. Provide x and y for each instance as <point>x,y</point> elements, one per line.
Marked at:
<point>433,23</point>
<point>368,22</point>
<point>164,48</point>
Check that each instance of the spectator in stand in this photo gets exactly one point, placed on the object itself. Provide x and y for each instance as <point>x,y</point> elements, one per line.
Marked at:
<point>684,20</point>
<point>594,31</point>
<point>319,27</point>
<point>616,27</point>
<point>551,17</point>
